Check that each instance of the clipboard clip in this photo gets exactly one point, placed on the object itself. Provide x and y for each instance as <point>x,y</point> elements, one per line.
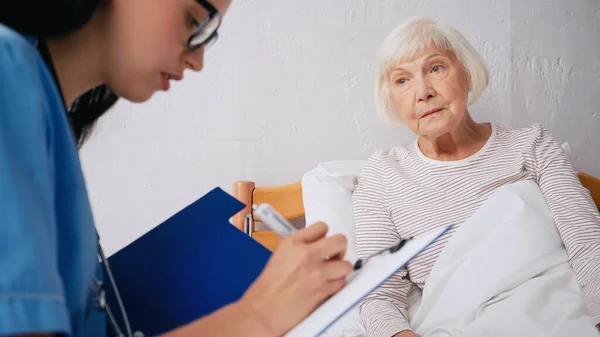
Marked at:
<point>391,250</point>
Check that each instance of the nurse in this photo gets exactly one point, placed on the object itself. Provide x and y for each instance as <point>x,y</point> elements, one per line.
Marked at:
<point>49,269</point>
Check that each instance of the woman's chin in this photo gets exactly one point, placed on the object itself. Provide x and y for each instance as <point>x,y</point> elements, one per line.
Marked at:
<point>434,129</point>
<point>137,96</point>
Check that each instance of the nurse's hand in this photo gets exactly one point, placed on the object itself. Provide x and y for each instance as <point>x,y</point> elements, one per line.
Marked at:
<point>306,269</point>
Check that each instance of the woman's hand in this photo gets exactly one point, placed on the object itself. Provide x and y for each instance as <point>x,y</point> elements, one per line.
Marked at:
<point>306,269</point>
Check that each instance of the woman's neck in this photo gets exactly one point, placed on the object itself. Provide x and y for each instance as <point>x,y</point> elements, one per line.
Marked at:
<point>77,58</point>
<point>465,141</point>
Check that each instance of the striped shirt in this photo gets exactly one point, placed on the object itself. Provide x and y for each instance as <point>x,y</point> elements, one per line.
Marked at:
<point>401,193</point>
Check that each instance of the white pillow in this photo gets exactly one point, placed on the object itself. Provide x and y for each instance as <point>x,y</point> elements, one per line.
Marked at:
<point>327,194</point>
<point>567,148</point>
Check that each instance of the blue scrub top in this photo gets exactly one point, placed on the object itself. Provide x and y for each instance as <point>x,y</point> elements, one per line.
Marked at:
<point>48,241</point>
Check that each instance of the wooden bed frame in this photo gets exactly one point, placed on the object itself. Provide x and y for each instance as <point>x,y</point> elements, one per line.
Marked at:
<point>287,200</point>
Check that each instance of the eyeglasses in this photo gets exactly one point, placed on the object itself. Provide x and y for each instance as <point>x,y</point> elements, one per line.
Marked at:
<point>99,299</point>
<point>205,35</point>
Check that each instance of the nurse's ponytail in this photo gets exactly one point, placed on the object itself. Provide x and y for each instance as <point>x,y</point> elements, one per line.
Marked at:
<point>47,19</point>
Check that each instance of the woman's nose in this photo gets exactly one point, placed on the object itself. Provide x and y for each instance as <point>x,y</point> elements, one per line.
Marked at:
<point>195,59</point>
<point>424,90</point>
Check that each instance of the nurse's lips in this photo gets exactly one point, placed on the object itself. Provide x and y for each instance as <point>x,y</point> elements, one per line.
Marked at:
<point>166,77</point>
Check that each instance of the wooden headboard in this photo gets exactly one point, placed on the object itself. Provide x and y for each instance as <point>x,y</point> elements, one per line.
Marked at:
<point>287,200</point>
<point>593,185</point>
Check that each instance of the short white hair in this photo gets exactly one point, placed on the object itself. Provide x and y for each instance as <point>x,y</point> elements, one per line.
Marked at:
<point>405,43</point>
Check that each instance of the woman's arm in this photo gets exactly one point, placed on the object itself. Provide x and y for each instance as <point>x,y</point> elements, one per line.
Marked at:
<point>295,281</point>
<point>235,319</point>
<point>574,213</point>
<point>384,312</point>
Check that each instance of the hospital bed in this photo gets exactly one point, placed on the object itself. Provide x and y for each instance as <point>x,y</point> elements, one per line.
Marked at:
<point>325,194</point>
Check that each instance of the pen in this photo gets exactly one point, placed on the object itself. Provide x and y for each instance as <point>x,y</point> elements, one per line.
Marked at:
<point>269,216</point>
<point>361,262</point>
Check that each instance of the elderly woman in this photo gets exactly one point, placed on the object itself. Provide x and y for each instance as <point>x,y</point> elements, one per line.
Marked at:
<point>426,76</point>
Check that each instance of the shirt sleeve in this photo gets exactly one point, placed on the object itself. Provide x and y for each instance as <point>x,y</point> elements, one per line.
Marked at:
<point>574,213</point>
<point>384,312</point>
<point>31,292</point>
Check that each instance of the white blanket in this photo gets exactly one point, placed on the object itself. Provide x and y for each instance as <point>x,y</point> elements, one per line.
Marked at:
<point>504,273</point>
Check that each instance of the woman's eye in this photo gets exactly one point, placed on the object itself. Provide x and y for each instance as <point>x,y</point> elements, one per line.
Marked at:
<point>400,81</point>
<point>436,69</point>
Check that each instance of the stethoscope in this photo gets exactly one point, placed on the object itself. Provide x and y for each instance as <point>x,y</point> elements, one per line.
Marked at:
<point>99,299</point>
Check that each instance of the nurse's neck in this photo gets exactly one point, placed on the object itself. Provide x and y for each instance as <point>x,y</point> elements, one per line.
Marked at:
<point>79,57</point>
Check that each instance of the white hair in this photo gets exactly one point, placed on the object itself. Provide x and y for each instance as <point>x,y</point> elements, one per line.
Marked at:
<point>405,43</point>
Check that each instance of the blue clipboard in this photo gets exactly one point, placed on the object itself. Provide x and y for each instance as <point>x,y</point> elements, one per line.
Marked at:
<point>187,267</point>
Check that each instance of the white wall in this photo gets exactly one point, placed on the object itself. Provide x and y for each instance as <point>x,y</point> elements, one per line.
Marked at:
<point>290,84</point>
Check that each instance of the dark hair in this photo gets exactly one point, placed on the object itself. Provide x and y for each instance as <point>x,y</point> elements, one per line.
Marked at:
<point>86,110</point>
<point>48,19</point>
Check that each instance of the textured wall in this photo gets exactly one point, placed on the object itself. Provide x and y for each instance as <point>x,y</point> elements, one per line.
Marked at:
<point>290,84</point>
<point>556,72</point>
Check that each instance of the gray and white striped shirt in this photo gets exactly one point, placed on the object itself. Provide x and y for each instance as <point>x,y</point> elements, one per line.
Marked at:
<point>402,193</point>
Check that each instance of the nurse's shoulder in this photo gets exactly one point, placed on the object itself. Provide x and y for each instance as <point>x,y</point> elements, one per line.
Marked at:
<point>24,99</point>
<point>21,71</point>
<point>15,49</point>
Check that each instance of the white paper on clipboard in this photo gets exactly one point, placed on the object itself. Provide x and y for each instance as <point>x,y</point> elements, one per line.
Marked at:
<point>374,273</point>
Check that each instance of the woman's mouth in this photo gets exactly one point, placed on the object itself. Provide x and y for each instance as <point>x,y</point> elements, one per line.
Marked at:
<point>166,78</point>
<point>432,112</point>
<point>165,81</point>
